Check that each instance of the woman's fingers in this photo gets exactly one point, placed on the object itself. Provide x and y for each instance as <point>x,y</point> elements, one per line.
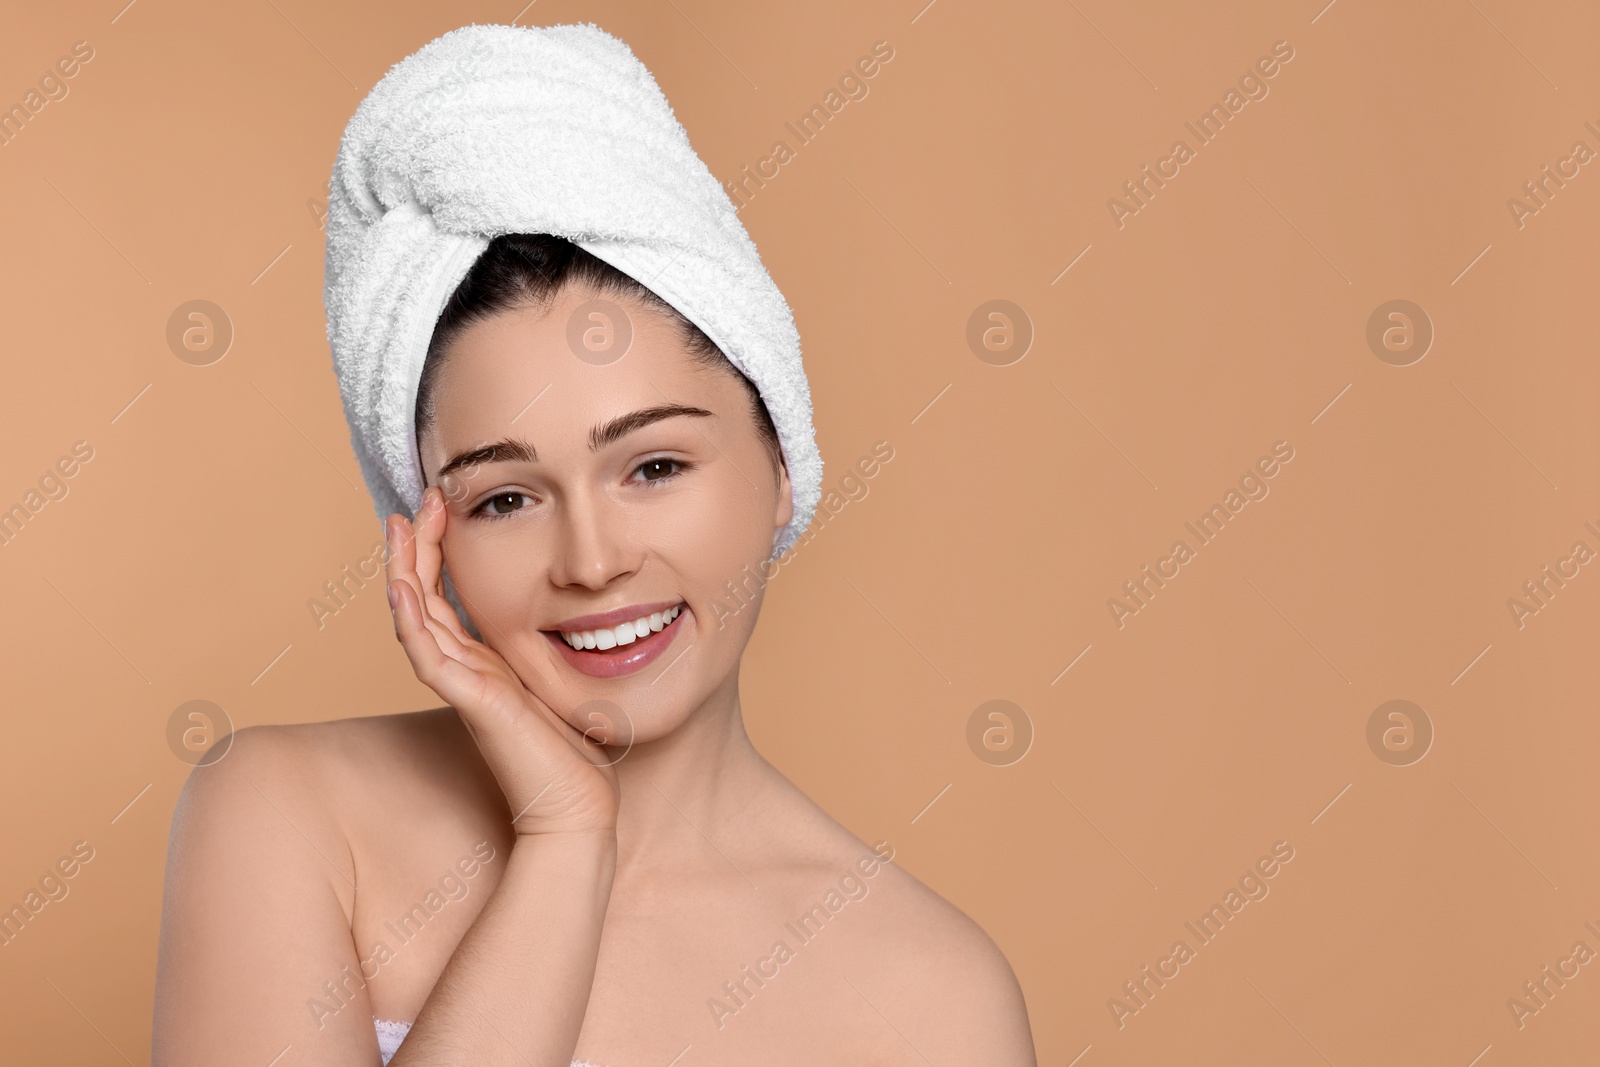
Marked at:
<point>401,565</point>
<point>459,675</point>
<point>452,678</point>
<point>447,632</point>
<point>432,518</point>
<point>456,681</point>
<point>405,542</point>
<point>430,530</point>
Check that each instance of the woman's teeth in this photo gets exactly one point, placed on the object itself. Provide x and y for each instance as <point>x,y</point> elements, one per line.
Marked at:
<point>625,634</point>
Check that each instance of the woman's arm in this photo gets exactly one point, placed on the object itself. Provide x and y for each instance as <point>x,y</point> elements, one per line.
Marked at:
<point>255,918</point>
<point>255,923</point>
<point>257,958</point>
<point>516,989</point>
<point>517,986</point>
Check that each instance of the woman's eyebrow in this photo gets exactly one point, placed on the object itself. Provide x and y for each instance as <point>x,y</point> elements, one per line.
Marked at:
<point>621,426</point>
<point>516,450</point>
<point>512,449</point>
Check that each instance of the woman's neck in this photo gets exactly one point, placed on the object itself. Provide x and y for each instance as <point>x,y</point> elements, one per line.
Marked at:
<point>691,790</point>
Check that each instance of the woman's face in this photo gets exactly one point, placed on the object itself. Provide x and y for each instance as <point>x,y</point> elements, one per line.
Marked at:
<point>576,486</point>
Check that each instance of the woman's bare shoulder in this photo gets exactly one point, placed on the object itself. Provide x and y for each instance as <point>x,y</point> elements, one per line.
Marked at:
<point>358,755</point>
<point>929,964</point>
<point>271,835</point>
<point>340,783</point>
<point>347,744</point>
<point>938,973</point>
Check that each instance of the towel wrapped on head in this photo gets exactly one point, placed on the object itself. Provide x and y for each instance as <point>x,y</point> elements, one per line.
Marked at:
<point>514,129</point>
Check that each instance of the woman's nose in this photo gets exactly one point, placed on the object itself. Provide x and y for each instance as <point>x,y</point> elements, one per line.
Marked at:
<point>595,548</point>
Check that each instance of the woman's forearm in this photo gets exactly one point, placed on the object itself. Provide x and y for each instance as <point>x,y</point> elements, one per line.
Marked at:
<point>517,986</point>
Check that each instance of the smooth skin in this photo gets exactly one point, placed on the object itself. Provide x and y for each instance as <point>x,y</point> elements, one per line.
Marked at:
<point>615,888</point>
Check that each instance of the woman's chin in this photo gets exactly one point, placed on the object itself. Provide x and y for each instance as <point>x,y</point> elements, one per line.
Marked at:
<point>625,722</point>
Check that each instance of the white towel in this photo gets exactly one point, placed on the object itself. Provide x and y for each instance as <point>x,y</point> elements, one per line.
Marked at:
<point>515,129</point>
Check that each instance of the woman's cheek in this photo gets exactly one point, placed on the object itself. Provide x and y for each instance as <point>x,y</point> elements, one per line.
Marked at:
<point>494,579</point>
<point>668,526</point>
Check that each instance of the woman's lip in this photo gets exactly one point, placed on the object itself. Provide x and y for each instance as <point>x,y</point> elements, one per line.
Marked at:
<point>636,656</point>
<point>610,620</point>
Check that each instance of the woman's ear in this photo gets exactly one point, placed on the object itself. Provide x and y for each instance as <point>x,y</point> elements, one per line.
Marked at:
<point>785,499</point>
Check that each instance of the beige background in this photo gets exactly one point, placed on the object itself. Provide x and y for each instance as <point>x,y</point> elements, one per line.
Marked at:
<point>189,159</point>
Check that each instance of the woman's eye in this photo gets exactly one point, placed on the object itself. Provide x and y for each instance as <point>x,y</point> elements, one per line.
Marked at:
<point>502,504</point>
<point>662,468</point>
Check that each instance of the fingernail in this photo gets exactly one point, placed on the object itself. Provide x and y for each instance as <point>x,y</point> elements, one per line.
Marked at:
<point>394,601</point>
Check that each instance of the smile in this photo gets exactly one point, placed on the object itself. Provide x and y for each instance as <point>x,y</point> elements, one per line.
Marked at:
<point>619,650</point>
<point>625,634</point>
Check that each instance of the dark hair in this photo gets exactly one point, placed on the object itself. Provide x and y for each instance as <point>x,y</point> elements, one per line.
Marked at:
<point>518,269</point>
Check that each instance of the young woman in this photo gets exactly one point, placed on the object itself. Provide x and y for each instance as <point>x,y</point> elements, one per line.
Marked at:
<point>580,857</point>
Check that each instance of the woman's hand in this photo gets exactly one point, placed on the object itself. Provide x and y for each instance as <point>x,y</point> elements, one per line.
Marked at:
<point>555,779</point>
